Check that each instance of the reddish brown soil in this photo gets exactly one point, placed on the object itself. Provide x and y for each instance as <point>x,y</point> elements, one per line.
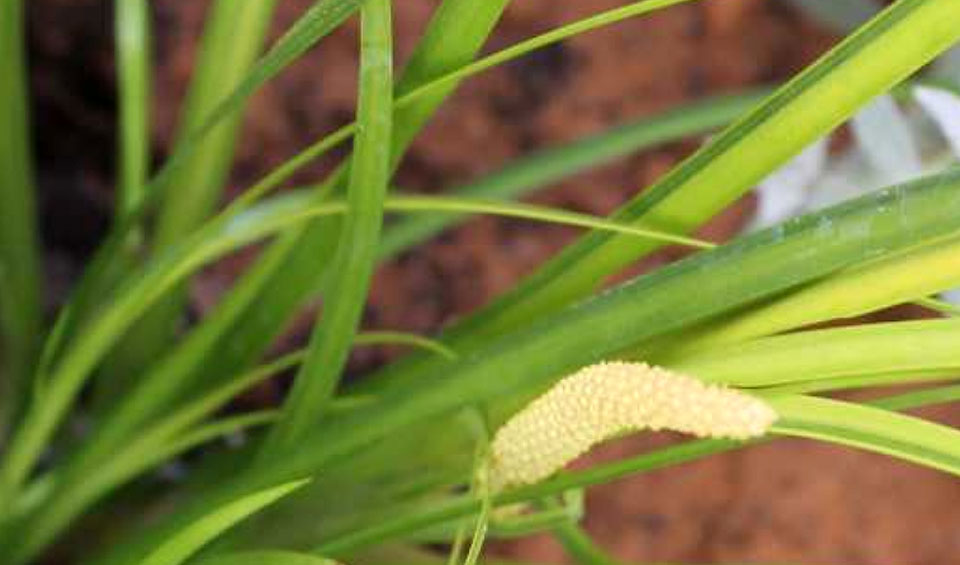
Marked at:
<point>786,502</point>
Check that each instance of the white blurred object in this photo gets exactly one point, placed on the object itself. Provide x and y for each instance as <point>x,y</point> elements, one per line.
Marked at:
<point>947,66</point>
<point>951,296</point>
<point>890,146</point>
<point>845,177</point>
<point>783,194</point>
<point>943,107</point>
<point>885,151</point>
<point>883,135</point>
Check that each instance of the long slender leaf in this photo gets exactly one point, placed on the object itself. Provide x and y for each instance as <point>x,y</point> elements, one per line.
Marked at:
<point>894,44</point>
<point>233,37</point>
<point>318,21</point>
<point>256,330</point>
<point>132,37</point>
<point>355,258</point>
<point>694,289</point>
<point>20,279</point>
<point>904,437</point>
<point>859,290</point>
<point>899,347</point>
<point>103,271</point>
<point>539,169</point>
<point>265,557</point>
<point>580,546</point>
<point>457,31</point>
<point>132,32</point>
<point>872,381</point>
<point>103,465</point>
<point>271,291</point>
<point>681,294</point>
<point>285,211</point>
<point>162,384</point>
<point>111,462</point>
<point>151,450</point>
<point>177,546</point>
<point>397,526</point>
<point>293,267</point>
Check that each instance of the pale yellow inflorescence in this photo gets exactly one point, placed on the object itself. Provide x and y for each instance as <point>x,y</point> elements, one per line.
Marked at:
<point>605,400</point>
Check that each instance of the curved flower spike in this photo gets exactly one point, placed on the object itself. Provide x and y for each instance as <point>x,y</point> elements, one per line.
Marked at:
<point>607,399</point>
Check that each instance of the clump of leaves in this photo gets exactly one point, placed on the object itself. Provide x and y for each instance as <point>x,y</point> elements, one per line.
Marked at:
<point>372,471</point>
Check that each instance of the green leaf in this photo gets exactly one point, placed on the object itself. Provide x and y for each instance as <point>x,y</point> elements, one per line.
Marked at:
<point>151,449</point>
<point>695,289</point>
<point>107,266</point>
<point>315,24</point>
<point>855,291</point>
<point>576,542</point>
<point>180,545</point>
<point>897,42</point>
<point>265,557</point>
<point>283,212</point>
<point>292,269</point>
<point>120,449</point>
<point>353,264</point>
<point>904,437</point>
<point>900,347</point>
<point>232,39</point>
<point>455,509</point>
<point>163,383</point>
<point>454,36</point>
<point>133,50</point>
<point>401,338</point>
<point>527,174</point>
<point>681,294</point>
<point>254,331</point>
<point>20,277</point>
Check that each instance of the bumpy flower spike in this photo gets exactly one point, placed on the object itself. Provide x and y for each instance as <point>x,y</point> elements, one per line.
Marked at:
<point>605,400</point>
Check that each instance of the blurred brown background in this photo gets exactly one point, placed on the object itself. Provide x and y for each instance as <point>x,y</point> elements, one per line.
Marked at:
<point>788,502</point>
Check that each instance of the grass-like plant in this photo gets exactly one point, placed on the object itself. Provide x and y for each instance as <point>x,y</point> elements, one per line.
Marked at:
<point>368,473</point>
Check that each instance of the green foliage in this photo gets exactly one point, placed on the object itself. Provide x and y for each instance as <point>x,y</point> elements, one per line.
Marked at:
<point>20,280</point>
<point>265,558</point>
<point>231,42</point>
<point>904,437</point>
<point>353,262</point>
<point>864,65</point>
<point>132,33</point>
<point>389,459</point>
<point>178,546</point>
